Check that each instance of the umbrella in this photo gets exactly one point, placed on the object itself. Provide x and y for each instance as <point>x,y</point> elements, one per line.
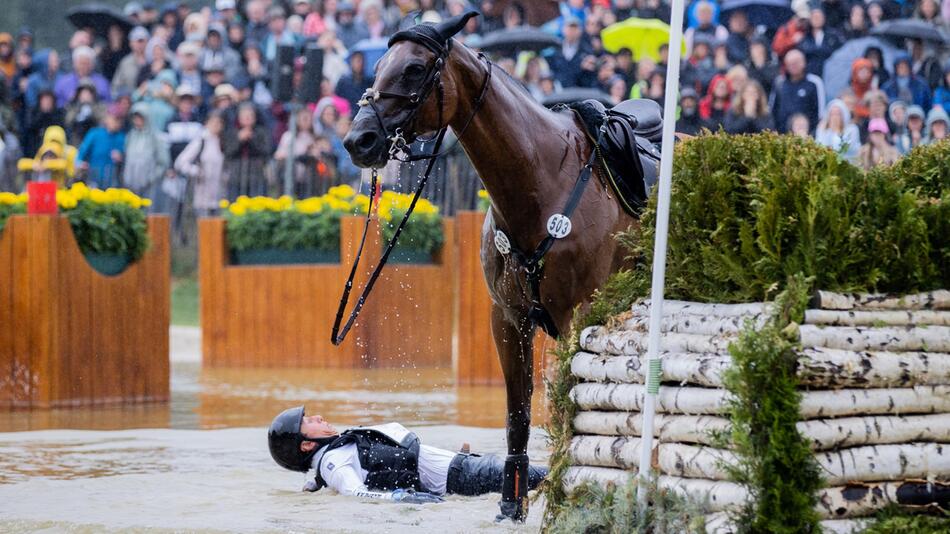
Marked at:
<point>514,40</point>
<point>576,94</point>
<point>99,17</point>
<point>642,36</point>
<point>910,29</point>
<point>372,50</point>
<point>837,70</point>
<point>768,13</point>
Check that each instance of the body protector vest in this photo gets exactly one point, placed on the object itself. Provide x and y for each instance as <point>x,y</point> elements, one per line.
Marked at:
<point>390,454</point>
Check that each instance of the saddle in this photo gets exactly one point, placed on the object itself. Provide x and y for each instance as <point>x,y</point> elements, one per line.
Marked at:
<point>629,151</point>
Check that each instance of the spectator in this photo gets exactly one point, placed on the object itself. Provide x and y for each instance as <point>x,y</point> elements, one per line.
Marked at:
<point>158,99</point>
<point>246,150</point>
<point>156,54</point>
<point>7,59</point>
<point>217,53</point>
<point>875,12</point>
<point>278,34</point>
<point>573,64</point>
<point>750,112</point>
<point>797,92</point>
<point>146,157</point>
<point>740,32</point>
<point>819,43</point>
<point>793,32</point>
<point>237,35</point>
<point>876,56</point>
<point>202,161</point>
<point>189,75</point>
<point>226,11</point>
<point>837,132</point>
<point>352,86</point>
<point>913,135</point>
<point>926,62</point>
<point>761,66</point>
<point>937,123</point>
<point>906,86</point>
<point>857,26</point>
<point>44,115</point>
<point>689,122</point>
<point>117,47</point>
<point>83,62</point>
<point>878,150</point>
<point>799,125</point>
<point>617,89</point>
<point>55,160</point>
<point>127,72</point>
<point>10,153</point>
<point>929,11</point>
<point>256,28</point>
<point>942,92</point>
<point>897,116</point>
<point>698,70</point>
<point>862,81</point>
<point>325,117</point>
<point>877,104</point>
<point>713,107</point>
<point>45,75</point>
<point>348,29</point>
<point>705,25</point>
<point>100,153</point>
<point>304,177</point>
<point>185,126</point>
<point>83,113</point>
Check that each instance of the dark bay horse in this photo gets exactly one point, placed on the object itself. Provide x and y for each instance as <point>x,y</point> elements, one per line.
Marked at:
<point>529,159</point>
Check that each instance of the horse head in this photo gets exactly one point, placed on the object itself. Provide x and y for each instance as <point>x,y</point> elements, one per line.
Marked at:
<point>413,93</point>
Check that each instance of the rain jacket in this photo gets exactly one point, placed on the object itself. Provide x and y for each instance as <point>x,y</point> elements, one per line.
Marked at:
<point>59,160</point>
<point>861,110</point>
<point>916,88</point>
<point>935,115</point>
<point>96,150</point>
<point>849,136</point>
<point>706,110</point>
<point>146,157</point>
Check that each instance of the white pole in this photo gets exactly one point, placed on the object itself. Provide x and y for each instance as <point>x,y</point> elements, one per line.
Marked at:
<point>659,249</point>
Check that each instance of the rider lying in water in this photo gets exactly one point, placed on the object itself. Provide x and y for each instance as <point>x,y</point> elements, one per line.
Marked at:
<point>382,462</point>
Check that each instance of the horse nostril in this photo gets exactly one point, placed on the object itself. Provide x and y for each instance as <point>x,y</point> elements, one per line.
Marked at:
<point>367,140</point>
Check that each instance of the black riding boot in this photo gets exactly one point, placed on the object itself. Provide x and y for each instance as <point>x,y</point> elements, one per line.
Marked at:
<point>472,475</point>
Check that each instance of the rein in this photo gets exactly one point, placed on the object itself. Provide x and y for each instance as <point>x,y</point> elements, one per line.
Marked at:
<point>400,145</point>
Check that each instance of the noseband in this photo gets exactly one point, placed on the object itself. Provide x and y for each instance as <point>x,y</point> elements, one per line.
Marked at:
<point>399,144</point>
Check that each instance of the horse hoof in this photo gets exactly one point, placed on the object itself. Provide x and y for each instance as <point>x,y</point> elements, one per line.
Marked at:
<point>516,511</point>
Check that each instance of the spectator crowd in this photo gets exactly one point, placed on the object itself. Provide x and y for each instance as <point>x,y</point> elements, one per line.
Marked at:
<point>180,104</point>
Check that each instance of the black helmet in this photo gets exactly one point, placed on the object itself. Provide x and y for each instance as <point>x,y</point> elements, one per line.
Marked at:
<point>284,439</point>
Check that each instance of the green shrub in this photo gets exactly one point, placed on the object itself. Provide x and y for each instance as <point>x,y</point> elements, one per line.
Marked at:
<point>894,519</point>
<point>423,230</point>
<point>109,228</point>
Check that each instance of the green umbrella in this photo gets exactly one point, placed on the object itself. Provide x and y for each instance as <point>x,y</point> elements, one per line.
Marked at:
<point>642,36</point>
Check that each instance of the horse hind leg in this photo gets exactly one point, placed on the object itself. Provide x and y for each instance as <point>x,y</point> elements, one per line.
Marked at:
<point>514,344</point>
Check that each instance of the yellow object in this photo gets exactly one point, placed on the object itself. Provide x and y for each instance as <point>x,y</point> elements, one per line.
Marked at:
<point>642,36</point>
<point>54,156</point>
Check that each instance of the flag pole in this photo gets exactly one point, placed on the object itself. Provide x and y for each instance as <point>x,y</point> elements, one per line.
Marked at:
<point>659,251</point>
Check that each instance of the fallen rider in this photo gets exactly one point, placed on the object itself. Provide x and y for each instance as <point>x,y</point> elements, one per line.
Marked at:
<point>382,462</point>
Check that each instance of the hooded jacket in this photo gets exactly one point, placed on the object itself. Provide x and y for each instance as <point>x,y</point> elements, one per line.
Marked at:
<point>910,89</point>
<point>849,136</point>
<point>60,158</point>
<point>146,155</point>
<point>706,110</point>
<point>935,115</point>
<point>861,110</point>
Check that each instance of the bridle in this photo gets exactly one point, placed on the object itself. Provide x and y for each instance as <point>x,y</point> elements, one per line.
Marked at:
<point>401,136</point>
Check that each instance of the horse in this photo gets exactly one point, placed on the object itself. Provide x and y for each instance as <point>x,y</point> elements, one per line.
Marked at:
<point>529,159</point>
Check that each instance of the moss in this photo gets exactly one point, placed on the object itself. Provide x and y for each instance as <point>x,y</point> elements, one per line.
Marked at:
<point>893,519</point>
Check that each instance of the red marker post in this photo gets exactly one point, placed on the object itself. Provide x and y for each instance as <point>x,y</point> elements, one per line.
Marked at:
<point>42,198</point>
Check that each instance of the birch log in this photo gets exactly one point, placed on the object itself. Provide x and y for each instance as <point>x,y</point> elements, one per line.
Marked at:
<point>716,495</point>
<point>886,462</point>
<point>930,338</point>
<point>667,428</point>
<point>721,523</point>
<point>814,405</point>
<point>688,323</point>
<point>676,459</point>
<point>878,318</point>
<point>873,369</point>
<point>600,340</point>
<point>824,434</point>
<point>673,307</point>
<point>932,300</point>
<point>862,499</point>
<point>683,368</point>
<point>629,397</point>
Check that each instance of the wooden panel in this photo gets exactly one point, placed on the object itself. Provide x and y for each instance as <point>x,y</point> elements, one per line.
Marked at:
<point>280,316</point>
<point>476,359</point>
<point>8,369</point>
<point>82,337</point>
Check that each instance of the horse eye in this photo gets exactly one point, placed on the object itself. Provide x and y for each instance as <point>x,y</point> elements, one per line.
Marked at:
<point>414,70</point>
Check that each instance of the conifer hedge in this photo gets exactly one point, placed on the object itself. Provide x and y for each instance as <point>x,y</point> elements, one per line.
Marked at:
<point>748,214</point>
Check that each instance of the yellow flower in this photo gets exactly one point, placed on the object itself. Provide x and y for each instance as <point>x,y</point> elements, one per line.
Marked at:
<point>146,202</point>
<point>482,193</point>
<point>343,192</point>
<point>65,199</point>
<point>237,209</point>
<point>22,198</point>
<point>98,196</point>
<point>79,191</point>
<point>8,199</point>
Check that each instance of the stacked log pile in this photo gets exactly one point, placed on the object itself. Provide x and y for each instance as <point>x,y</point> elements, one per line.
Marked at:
<point>875,374</point>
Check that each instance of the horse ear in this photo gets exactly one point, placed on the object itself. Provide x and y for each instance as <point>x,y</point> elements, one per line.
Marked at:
<point>449,27</point>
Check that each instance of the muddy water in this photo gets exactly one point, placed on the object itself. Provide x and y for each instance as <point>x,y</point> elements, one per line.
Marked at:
<point>200,462</point>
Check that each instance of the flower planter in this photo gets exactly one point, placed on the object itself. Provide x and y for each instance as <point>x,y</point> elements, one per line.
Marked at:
<point>108,264</point>
<point>410,256</point>
<point>274,256</point>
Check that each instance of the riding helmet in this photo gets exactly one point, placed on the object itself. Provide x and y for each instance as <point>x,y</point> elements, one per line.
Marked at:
<point>284,439</point>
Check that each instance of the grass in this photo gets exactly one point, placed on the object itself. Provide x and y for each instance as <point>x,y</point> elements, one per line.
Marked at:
<point>185,301</point>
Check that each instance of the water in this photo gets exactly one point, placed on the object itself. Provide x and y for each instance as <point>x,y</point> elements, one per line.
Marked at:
<point>200,463</point>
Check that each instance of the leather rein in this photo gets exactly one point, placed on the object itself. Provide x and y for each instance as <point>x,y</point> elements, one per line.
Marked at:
<point>399,144</point>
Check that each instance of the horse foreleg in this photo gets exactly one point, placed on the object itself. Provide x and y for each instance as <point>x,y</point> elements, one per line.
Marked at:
<point>514,344</point>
